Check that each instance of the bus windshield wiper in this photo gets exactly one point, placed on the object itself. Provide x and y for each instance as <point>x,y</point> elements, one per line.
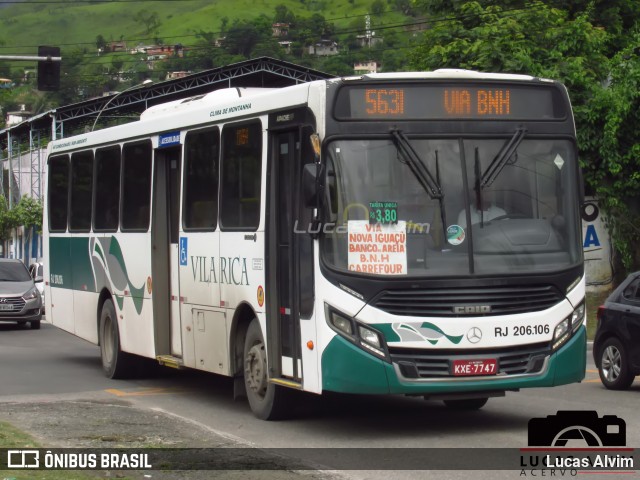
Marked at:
<point>416,165</point>
<point>501,159</point>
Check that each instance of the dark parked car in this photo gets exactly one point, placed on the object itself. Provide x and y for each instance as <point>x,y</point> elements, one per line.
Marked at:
<point>20,300</point>
<point>616,347</point>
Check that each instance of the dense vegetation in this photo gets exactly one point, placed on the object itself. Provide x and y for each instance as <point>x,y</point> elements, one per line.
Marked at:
<point>590,45</point>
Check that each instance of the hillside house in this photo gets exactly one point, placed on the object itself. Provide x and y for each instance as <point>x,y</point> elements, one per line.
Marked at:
<point>362,68</point>
<point>178,74</point>
<point>286,45</point>
<point>118,46</point>
<point>324,48</point>
<point>13,118</point>
<point>280,29</point>
<point>368,40</point>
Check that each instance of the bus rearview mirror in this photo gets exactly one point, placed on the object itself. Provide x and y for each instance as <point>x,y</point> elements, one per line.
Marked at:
<point>312,174</point>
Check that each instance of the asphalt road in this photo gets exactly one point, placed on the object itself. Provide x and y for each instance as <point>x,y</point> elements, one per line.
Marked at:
<point>47,366</point>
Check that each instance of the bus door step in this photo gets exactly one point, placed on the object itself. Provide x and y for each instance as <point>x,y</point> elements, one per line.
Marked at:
<point>170,361</point>
<point>286,383</point>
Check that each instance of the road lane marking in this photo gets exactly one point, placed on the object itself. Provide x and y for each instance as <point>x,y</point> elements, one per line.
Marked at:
<point>144,392</point>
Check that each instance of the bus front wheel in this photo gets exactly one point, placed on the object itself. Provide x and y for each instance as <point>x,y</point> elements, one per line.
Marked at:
<point>115,363</point>
<point>267,400</point>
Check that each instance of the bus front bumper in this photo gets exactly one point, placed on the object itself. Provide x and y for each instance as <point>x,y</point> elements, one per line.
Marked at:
<point>348,369</point>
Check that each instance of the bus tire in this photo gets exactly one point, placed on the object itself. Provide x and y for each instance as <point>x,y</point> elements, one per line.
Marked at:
<point>466,403</point>
<point>267,400</point>
<point>115,363</point>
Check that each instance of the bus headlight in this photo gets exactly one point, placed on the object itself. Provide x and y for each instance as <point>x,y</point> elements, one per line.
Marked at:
<point>341,323</point>
<point>568,326</point>
<point>577,317</point>
<point>361,335</point>
<point>369,336</point>
<point>561,333</point>
<point>370,340</point>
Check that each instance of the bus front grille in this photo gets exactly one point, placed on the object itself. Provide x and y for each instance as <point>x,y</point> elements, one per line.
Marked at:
<point>447,302</point>
<point>428,363</point>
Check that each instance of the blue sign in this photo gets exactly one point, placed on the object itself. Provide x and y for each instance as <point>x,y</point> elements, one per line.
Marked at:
<point>168,139</point>
<point>183,251</point>
<point>591,237</point>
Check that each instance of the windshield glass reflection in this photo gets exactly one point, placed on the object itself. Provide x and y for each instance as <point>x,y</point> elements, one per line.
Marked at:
<point>490,217</point>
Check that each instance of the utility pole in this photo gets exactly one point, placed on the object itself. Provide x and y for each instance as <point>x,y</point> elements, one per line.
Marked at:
<point>48,59</point>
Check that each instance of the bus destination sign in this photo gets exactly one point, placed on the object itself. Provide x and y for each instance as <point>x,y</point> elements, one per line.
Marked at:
<point>432,102</point>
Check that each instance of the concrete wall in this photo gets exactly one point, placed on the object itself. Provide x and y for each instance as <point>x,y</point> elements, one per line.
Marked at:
<point>596,244</point>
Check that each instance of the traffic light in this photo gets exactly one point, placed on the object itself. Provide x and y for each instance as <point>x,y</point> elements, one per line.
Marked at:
<point>48,70</point>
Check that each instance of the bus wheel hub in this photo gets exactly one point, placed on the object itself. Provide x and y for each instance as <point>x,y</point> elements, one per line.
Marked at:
<point>255,369</point>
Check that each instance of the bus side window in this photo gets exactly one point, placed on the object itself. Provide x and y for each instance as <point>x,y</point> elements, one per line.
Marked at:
<point>200,209</point>
<point>81,191</point>
<point>107,191</point>
<point>136,186</point>
<point>58,193</point>
<point>241,176</point>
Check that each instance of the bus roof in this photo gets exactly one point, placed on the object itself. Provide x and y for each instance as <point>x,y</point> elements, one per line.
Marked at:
<point>454,73</point>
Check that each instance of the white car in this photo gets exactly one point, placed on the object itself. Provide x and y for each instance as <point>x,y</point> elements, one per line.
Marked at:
<point>36,270</point>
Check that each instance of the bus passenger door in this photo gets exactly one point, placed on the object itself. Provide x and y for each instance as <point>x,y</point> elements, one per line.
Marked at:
<point>290,278</point>
<point>166,255</point>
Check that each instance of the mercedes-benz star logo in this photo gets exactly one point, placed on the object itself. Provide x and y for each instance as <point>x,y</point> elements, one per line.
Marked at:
<point>474,335</point>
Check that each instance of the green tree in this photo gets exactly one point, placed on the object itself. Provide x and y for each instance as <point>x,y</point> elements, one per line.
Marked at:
<point>149,20</point>
<point>592,48</point>
<point>28,213</point>
<point>377,7</point>
<point>101,43</point>
<point>609,137</point>
<point>243,36</point>
<point>283,15</point>
<point>8,219</point>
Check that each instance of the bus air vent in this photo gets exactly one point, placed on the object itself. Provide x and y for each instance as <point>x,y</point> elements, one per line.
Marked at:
<point>445,302</point>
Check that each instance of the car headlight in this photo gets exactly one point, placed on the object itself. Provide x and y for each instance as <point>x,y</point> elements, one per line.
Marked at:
<point>568,326</point>
<point>31,294</point>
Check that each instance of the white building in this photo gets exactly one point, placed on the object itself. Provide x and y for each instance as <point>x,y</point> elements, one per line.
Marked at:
<point>324,48</point>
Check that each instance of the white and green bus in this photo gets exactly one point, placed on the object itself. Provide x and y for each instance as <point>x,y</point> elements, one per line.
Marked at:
<point>401,233</point>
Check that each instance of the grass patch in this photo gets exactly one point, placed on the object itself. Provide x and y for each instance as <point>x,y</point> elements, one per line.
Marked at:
<point>594,300</point>
<point>11,437</point>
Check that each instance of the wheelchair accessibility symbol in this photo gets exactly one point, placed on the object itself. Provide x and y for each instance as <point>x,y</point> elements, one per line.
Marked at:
<point>183,251</point>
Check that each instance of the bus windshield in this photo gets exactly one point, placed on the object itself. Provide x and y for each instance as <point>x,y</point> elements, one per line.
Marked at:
<point>456,207</point>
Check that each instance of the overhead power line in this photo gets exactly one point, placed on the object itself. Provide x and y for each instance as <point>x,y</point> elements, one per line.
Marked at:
<point>431,20</point>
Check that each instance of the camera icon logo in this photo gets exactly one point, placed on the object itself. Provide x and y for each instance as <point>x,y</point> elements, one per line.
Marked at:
<point>23,459</point>
<point>577,427</point>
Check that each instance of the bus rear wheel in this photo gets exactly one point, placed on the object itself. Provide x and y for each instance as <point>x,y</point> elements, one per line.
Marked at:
<point>115,363</point>
<point>466,403</point>
<point>267,400</point>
